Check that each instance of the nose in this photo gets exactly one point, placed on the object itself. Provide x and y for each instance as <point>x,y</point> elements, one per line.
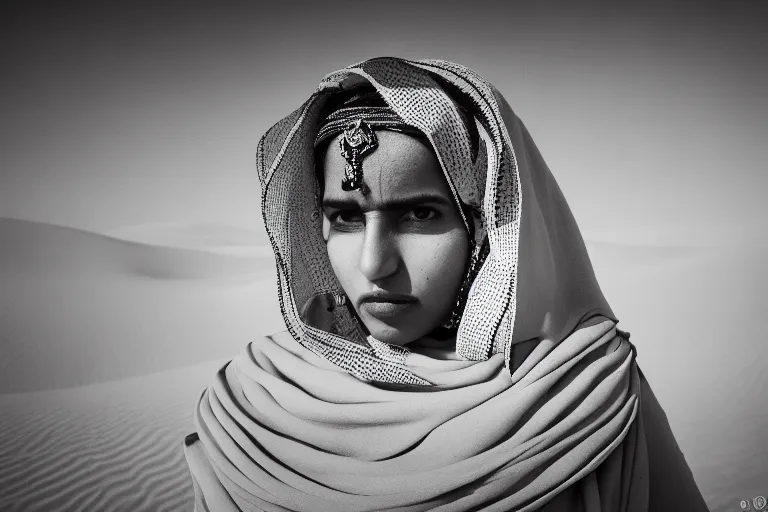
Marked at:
<point>379,257</point>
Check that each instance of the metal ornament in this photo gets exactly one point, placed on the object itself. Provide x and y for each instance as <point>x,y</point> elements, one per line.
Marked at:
<point>477,258</point>
<point>339,299</point>
<point>357,141</point>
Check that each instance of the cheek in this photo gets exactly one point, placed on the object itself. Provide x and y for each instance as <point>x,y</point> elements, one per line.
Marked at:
<point>342,252</point>
<point>439,261</point>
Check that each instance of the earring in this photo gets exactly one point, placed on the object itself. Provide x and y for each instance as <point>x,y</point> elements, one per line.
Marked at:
<point>339,299</point>
<point>461,301</point>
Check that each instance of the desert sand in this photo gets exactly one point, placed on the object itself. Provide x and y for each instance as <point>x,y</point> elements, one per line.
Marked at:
<point>107,342</point>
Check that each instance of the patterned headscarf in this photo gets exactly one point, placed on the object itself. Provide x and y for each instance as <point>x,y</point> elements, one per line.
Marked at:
<point>556,288</point>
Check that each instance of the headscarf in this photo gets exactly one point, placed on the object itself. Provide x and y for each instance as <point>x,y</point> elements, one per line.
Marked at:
<point>541,392</point>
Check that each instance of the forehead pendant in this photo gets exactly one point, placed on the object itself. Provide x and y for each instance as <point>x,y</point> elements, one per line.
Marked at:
<point>357,141</point>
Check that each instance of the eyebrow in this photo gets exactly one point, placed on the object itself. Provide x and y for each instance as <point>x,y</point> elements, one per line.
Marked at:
<point>397,204</point>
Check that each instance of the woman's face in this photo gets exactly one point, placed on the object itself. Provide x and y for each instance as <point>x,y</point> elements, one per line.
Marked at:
<point>399,252</point>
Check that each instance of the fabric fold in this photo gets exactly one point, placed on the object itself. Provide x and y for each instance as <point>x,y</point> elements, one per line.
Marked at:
<point>490,444</point>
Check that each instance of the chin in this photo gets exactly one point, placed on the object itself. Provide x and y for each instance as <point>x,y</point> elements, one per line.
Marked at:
<point>391,334</point>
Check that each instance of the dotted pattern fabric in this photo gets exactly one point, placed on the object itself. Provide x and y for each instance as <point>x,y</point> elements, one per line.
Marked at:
<point>490,185</point>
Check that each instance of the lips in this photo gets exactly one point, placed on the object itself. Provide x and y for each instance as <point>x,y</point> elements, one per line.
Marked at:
<point>387,297</point>
<point>386,305</point>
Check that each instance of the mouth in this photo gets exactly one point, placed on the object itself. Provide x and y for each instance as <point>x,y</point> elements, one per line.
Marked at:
<point>386,305</point>
<point>387,298</point>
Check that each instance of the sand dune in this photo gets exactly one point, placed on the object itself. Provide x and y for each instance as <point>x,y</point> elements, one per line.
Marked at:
<point>34,247</point>
<point>79,308</point>
<point>206,237</point>
<point>107,343</point>
<point>113,446</point>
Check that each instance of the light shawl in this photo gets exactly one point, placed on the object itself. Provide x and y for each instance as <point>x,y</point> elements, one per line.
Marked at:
<point>538,405</point>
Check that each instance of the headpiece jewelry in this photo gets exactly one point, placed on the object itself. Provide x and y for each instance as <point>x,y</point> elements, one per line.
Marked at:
<point>358,139</point>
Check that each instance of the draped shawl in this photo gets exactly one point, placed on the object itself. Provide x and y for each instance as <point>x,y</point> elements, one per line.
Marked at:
<point>537,406</point>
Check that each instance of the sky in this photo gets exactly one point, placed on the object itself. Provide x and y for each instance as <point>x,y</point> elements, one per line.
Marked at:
<point>652,116</point>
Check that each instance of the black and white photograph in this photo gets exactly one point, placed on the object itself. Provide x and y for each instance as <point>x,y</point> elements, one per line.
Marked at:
<point>389,256</point>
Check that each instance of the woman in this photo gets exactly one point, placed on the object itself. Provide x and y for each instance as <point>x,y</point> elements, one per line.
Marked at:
<point>448,346</point>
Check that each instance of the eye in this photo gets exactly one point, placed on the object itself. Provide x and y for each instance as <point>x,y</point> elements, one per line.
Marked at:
<point>343,218</point>
<point>349,216</point>
<point>422,213</point>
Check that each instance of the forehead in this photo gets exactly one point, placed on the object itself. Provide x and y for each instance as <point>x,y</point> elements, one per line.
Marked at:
<point>402,165</point>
